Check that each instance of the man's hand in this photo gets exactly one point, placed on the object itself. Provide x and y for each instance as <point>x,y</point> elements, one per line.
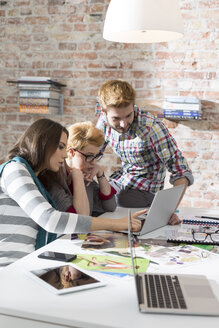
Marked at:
<point>174,219</point>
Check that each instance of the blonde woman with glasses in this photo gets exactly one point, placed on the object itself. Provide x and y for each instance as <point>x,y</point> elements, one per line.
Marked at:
<point>89,189</point>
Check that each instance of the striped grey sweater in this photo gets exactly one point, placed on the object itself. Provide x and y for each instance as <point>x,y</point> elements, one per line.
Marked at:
<point>23,209</point>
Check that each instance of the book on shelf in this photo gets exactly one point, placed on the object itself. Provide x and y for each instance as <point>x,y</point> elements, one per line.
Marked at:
<point>181,106</point>
<point>181,99</point>
<point>30,93</point>
<point>179,117</point>
<point>35,78</point>
<point>38,86</point>
<point>181,112</point>
<point>35,109</point>
<point>39,101</point>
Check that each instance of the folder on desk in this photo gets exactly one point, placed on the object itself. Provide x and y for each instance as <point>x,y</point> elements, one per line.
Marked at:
<point>109,263</point>
<point>105,240</point>
<point>194,231</point>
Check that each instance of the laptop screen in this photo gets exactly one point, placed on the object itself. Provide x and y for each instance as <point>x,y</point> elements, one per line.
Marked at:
<point>137,262</point>
<point>139,265</point>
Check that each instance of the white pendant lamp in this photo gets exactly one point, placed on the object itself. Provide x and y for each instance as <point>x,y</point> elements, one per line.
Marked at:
<point>143,21</point>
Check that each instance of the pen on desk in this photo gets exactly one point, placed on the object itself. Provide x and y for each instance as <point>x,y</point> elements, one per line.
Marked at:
<point>206,217</point>
<point>153,262</point>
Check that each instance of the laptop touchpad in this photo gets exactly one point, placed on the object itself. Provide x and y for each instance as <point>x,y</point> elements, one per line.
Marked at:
<point>199,291</point>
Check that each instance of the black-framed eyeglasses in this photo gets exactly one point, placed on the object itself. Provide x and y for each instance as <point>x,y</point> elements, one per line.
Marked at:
<point>91,158</point>
<point>202,235</point>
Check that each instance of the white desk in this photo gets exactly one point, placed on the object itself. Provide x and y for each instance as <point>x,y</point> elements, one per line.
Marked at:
<point>26,304</point>
<point>183,211</point>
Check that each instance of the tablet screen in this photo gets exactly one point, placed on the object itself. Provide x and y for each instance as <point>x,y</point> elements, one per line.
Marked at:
<point>65,278</point>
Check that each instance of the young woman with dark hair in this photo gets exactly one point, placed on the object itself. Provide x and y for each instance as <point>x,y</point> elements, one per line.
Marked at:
<point>27,211</point>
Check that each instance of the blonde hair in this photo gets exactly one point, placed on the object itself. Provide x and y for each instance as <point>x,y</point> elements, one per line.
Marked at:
<point>116,93</point>
<point>83,134</point>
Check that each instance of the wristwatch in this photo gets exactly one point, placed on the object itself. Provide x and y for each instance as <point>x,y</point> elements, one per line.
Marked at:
<point>102,176</point>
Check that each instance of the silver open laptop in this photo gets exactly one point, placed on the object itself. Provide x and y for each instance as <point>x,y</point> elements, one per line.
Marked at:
<point>172,293</point>
<point>163,206</point>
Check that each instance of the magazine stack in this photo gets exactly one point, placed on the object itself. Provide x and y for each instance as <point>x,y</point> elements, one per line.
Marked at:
<point>40,95</point>
<point>182,108</point>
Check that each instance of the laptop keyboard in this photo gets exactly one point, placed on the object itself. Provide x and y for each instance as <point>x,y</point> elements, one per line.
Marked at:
<point>162,291</point>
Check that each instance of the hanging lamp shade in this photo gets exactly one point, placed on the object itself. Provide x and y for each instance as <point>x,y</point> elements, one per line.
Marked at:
<point>143,21</point>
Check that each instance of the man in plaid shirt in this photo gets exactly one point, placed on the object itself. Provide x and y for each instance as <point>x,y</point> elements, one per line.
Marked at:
<point>144,145</point>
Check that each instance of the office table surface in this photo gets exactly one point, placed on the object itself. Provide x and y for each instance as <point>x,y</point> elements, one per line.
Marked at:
<point>183,211</point>
<point>25,303</point>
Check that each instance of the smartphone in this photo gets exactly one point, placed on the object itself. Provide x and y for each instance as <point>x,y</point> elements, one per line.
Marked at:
<point>57,256</point>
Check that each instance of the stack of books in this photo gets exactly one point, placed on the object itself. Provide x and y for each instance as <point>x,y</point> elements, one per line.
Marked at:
<point>182,108</point>
<point>40,95</point>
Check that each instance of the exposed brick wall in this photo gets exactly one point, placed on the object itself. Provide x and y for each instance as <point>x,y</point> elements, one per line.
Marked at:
<point>63,39</point>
